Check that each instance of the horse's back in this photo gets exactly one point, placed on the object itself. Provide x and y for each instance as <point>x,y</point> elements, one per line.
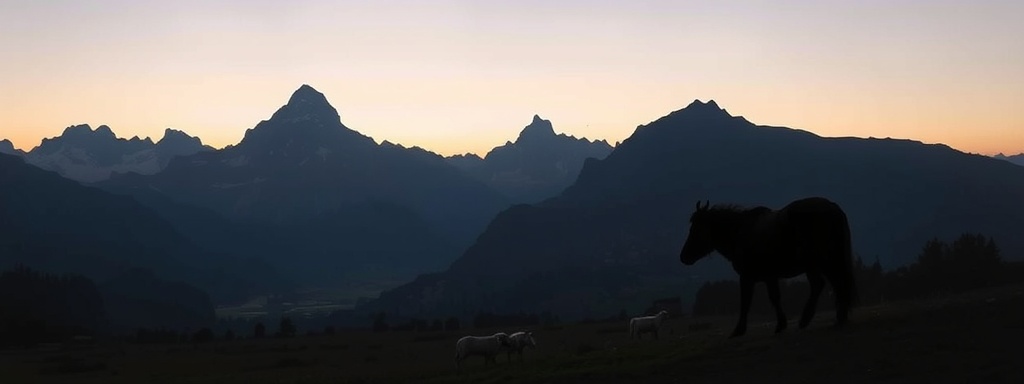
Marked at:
<point>814,213</point>
<point>819,225</point>
<point>805,234</point>
<point>812,204</point>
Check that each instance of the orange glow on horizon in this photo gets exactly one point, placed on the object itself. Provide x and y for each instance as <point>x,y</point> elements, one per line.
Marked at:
<point>457,77</point>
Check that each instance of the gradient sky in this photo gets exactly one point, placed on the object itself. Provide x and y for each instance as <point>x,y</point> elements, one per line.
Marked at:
<point>465,76</point>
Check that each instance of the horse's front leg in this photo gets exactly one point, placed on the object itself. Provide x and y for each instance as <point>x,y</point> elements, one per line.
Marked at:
<point>746,294</point>
<point>773,295</point>
<point>817,284</point>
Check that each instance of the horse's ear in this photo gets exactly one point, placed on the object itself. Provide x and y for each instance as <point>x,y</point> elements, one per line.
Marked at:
<point>698,206</point>
<point>706,204</point>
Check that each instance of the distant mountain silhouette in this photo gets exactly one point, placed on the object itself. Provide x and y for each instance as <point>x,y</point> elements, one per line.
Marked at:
<point>54,224</point>
<point>611,240</point>
<point>87,155</point>
<point>327,200</point>
<point>7,148</point>
<point>538,165</point>
<point>1016,159</point>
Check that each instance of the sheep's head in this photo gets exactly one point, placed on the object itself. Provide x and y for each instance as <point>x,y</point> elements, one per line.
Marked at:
<point>530,341</point>
<point>503,339</point>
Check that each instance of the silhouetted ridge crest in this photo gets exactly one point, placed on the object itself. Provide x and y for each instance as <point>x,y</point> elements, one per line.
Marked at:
<point>307,103</point>
<point>7,147</point>
<point>80,129</point>
<point>305,124</point>
<point>538,129</point>
<point>708,109</point>
<point>624,218</point>
<point>105,131</point>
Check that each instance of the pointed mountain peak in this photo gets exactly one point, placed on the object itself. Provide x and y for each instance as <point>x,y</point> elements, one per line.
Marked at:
<point>305,124</point>
<point>538,128</point>
<point>308,95</point>
<point>306,103</point>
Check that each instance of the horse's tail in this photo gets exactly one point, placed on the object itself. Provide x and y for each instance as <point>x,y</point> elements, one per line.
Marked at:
<point>846,287</point>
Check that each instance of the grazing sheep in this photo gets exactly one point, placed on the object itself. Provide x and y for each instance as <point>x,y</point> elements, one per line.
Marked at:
<point>486,346</point>
<point>646,324</point>
<point>518,341</point>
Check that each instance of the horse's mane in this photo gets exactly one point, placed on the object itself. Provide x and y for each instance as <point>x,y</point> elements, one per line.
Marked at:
<point>727,208</point>
<point>731,213</point>
<point>736,209</point>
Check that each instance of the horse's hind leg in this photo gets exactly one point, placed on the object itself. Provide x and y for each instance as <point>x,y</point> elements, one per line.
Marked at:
<point>773,295</point>
<point>816,283</point>
<point>746,294</point>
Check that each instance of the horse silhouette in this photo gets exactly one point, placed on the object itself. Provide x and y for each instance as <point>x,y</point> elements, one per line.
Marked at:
<point>808,236</point>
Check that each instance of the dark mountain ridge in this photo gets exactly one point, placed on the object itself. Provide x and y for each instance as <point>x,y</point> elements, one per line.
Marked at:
<point>323,200</point>
<point>538,165</point>
<point>56,225</point>
<point>86,155</point>
<point>611,240</point>
<point>1016,159</point>
<point>7,148</point>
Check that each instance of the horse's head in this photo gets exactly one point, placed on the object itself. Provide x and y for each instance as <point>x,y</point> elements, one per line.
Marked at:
<point>530,342</point>
<point>700,241</point>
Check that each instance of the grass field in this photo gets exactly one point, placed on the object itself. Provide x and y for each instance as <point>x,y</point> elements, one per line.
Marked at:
<point>973,337</point>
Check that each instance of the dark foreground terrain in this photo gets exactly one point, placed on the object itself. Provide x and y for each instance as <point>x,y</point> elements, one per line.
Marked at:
<point>974,337</point>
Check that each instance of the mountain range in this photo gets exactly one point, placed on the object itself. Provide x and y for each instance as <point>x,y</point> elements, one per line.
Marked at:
<point>320,200</point>
<point>1016,159</point>
<point>54,224</point>
<point>86,155</point>
<point>317,200</point>
<point>548,222</point>
<point>538,165</point>
<point>611,240</point>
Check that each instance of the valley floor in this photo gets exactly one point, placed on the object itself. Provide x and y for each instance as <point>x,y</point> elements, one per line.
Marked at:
<point>973,337</point>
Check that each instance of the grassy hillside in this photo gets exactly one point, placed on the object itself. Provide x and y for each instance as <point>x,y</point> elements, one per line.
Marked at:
<point>964,338</point>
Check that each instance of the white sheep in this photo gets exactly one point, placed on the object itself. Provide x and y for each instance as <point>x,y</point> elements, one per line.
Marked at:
<point>646,324</point>
<point>518,341</point>
<point>486,346</point>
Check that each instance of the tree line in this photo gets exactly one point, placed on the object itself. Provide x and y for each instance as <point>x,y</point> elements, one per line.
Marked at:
<point>38,307</point>
<point>971,261</point>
